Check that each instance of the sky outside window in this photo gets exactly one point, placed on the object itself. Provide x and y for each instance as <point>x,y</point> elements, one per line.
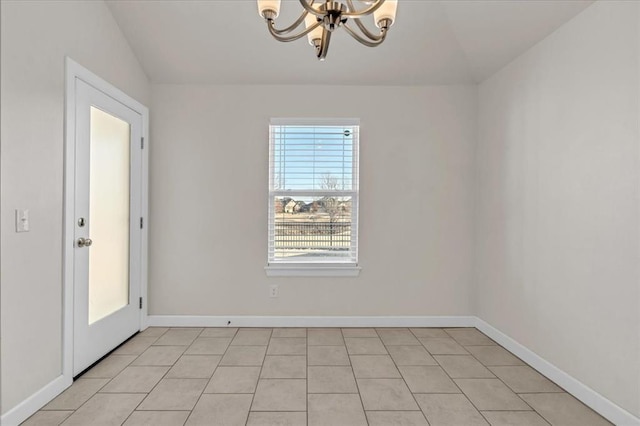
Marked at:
<point>313,157</point>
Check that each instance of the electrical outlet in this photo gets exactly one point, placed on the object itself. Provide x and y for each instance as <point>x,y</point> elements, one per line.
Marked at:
<point>273,290</point>
<point>22,220</point>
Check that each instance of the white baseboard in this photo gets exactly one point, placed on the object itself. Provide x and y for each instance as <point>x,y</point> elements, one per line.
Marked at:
<point>310,321</point>
<point>607,409</point>
<point>29,406</point>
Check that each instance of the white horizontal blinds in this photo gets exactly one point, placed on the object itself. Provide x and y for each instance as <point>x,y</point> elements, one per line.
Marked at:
<point>313,158</point>
<point>313,193</point>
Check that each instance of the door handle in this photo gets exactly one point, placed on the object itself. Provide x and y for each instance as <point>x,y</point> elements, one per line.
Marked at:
<point>84,242</point>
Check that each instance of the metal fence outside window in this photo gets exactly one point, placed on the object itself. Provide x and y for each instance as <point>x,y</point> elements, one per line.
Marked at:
<point>313,235</point>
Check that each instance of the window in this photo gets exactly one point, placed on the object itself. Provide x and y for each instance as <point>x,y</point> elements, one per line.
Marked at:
<point>313,197</point>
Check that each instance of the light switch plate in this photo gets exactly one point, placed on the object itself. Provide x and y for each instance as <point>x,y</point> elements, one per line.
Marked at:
<point>22,220</point>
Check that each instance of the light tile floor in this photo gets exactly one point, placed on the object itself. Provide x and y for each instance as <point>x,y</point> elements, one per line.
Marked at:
<point>316,376</point>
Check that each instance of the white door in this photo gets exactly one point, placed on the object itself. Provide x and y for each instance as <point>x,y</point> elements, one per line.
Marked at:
<point>107,228</point>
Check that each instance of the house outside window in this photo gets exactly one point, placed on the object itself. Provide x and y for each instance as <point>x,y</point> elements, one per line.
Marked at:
<point>313,197</point>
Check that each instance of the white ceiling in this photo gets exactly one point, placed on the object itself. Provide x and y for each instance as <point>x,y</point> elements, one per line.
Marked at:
<point>432,42</point>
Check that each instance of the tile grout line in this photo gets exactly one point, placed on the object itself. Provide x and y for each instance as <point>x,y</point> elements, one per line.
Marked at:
<point>146,394</point>
<point>306,348</point>
<point>165,374</point>
<point>486,367</point>
<point>402,376</point>
<point>495,377</point>
<point>454,381</point>
<point>109,381</point>
<point>456,384</point>
<point>253,397</point>
<point>210,378</point>
<point>366,419</point>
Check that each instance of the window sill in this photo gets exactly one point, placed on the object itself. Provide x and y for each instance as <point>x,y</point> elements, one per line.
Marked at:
<point>312,270</point>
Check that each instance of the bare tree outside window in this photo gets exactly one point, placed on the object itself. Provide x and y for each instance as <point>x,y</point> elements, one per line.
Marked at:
<point>330,202</point>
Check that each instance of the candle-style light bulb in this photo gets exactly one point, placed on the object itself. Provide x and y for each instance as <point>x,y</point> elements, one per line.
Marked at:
<point>269,5</point>
<point>386,12</point>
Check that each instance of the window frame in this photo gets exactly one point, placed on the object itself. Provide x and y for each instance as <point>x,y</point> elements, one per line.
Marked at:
<point>344,268</point>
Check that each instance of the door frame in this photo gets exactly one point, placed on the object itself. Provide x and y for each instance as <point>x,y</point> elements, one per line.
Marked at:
<point>74,71</point>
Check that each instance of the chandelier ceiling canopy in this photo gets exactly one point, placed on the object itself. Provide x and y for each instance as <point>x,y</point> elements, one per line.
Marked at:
<point>321,18</point>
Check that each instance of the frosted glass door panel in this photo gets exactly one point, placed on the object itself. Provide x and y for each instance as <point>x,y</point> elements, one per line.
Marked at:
<point>110,139</point>
<point>108,240</point>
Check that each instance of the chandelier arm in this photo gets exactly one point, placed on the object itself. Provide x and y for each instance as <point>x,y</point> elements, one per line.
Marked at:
<point>291,27</point>
<point>323,48</point>
<point>308,8</point>
<point>278,37</point>
<point>362,27</point>
<point>369,10</point>
<point>366,32</point>
<point>294,25</point>
<point>366,42</point>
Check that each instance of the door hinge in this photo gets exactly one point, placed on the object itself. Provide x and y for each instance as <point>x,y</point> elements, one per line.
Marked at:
<point>141,143</point>
<point>141,303</point>
<point>141,223</point>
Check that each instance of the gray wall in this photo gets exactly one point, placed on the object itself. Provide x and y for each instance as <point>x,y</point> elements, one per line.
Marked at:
<point>558,218</point>
<point>36,36</point>
<point>208,201</point>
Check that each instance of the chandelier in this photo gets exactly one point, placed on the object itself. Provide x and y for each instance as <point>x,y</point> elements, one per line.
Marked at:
<point>322,18</point>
